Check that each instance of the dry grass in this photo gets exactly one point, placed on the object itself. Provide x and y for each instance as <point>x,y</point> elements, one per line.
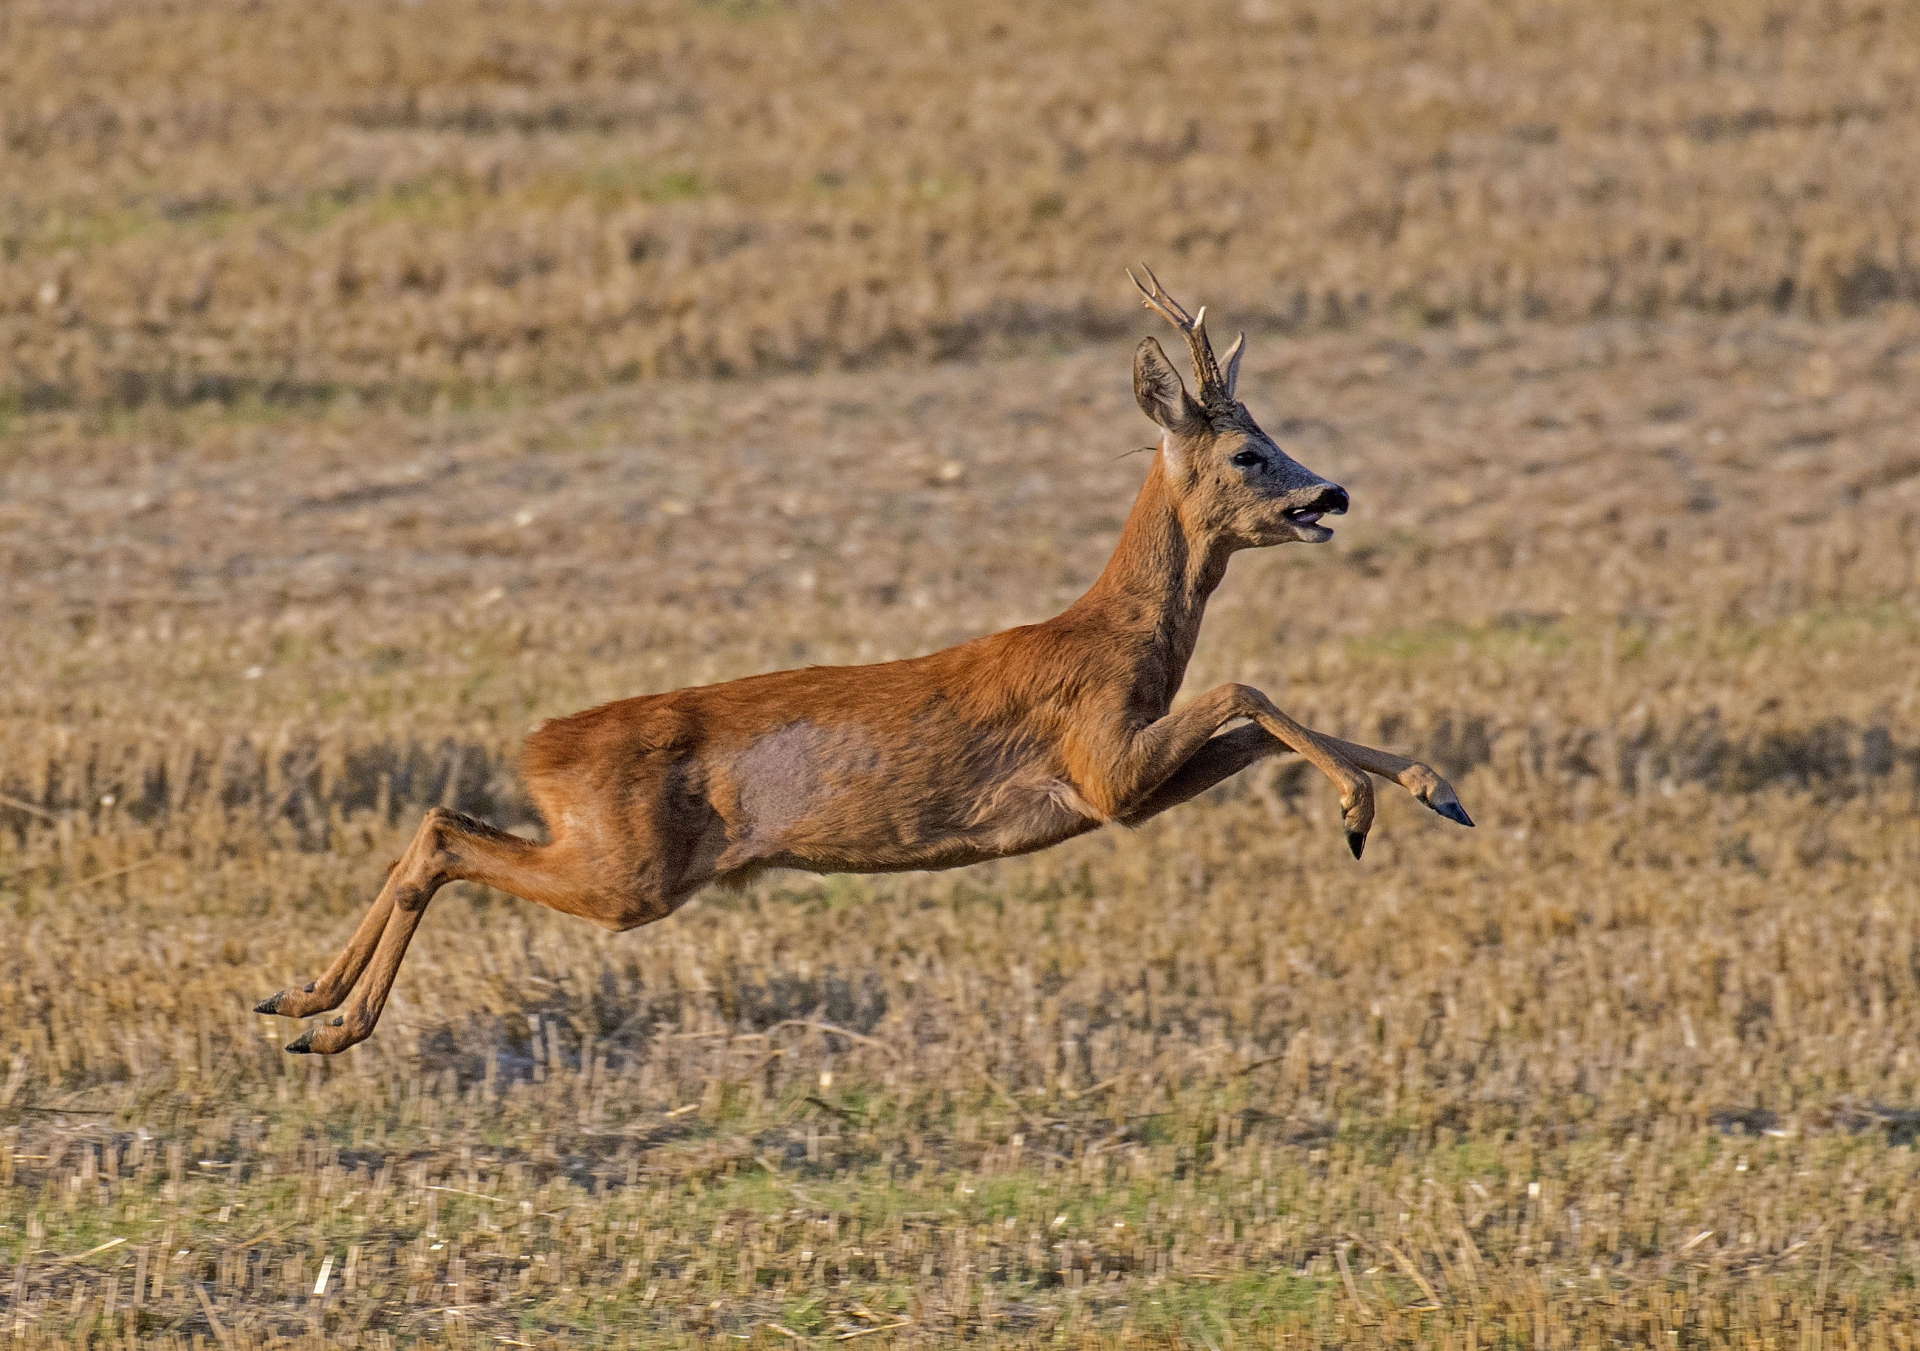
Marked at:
<point>1632,1063</point>
<point>297,201</point>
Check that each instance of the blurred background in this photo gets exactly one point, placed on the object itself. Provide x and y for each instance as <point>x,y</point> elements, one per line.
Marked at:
<point>287,205</point>
<point>379,379</point>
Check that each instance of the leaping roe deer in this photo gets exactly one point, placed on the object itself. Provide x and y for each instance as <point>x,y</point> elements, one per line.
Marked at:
<point>1000,746</point>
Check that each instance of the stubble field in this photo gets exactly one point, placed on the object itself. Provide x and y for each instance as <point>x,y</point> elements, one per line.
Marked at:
<point>1637,1061</point>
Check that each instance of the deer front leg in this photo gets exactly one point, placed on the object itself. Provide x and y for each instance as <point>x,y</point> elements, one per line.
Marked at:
<point>1215,762</point>
<point>1230,752</point>
<point>1158,751</point>
<point>1420,780</point>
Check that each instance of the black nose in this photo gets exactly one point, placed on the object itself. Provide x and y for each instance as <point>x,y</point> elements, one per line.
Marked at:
<point>1332,500</point>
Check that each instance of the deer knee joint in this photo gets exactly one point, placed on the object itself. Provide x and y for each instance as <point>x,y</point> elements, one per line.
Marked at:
<point>1249,702</point>
<point>438,823</point>
<point>430,862</point>
<point>1419,780</point>
<point>413,899</point>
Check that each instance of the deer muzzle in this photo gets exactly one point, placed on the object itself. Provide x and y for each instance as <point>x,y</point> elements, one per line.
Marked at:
<point>1331,500</point>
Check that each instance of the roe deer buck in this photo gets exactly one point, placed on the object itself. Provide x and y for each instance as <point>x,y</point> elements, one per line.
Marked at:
<point>999,746</point>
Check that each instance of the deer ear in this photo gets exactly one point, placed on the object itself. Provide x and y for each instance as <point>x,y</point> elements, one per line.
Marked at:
<point>1157,385</point>
<point>1234,353</point>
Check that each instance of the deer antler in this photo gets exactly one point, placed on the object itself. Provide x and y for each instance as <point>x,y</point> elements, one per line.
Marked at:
<point>1215,388</point>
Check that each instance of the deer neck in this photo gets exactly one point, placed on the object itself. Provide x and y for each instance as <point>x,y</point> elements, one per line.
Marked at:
<point>1153,593</point>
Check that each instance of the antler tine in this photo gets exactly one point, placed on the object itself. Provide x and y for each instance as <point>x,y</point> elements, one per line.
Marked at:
<point>1161,303</point>
<point>1213,389</point>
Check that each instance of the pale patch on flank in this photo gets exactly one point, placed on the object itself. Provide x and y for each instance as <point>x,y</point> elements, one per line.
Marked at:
<point>780,774</point>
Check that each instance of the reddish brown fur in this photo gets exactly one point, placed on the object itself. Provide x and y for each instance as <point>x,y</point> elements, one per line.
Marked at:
<point>1000,746</point>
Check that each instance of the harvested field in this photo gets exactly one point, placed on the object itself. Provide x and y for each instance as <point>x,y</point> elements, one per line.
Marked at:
<point>291,203</point>
<point>349,434</point>
<point>1633,1057</point>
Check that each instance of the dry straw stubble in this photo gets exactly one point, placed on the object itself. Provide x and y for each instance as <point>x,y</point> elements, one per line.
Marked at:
<point>1632,1058</point>
<point>294,202</point>
<point>1631,1062</point>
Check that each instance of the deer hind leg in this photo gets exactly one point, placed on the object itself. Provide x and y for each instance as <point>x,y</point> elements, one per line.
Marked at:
<point>450,847</point>
<point>318,996</point>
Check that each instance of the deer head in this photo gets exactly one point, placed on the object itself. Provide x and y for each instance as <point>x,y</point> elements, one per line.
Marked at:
<point>1227,476</point>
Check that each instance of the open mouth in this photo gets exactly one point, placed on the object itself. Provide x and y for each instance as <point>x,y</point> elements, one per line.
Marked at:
<point>1306,524</point>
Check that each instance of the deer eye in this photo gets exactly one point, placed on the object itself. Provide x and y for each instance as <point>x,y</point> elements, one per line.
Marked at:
<point>1247,459</point>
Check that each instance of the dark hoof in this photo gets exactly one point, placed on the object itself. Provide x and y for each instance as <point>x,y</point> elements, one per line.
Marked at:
<point>1357,841</point>
<point>271,1004</point>
<point>301,1045</point>
<point>1453,811</point>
